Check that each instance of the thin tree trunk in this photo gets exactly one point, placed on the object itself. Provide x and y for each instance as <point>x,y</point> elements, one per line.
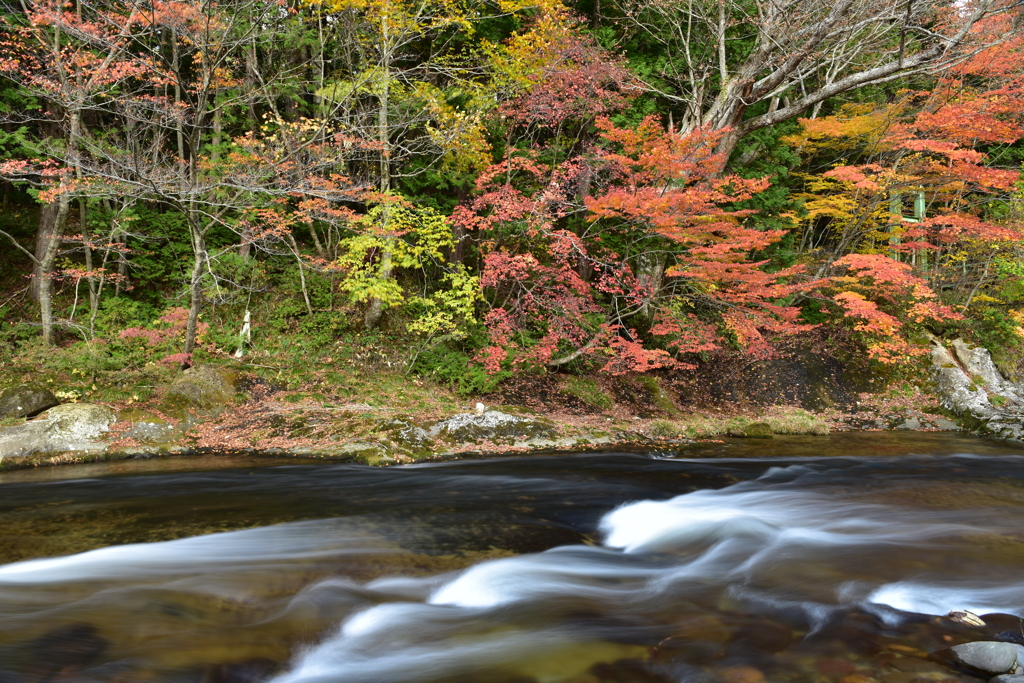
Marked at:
<point>201,256</point>
<point>376,307</point>
<point>49,257</point>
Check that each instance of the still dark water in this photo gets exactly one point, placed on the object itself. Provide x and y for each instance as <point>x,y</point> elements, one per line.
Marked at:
<point>811,560</point>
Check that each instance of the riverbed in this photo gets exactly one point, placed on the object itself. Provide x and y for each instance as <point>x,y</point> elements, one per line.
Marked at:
<point>804,559</point>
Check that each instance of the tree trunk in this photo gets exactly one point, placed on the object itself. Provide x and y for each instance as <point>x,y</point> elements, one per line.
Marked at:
<point>376,307</point>
<point>195,289</point>
<point>45,266</point>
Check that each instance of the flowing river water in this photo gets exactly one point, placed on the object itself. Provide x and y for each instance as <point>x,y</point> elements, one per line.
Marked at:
<point>810,560</point>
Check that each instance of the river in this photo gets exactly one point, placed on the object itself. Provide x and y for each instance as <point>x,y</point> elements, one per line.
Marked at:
<point>804,560</point>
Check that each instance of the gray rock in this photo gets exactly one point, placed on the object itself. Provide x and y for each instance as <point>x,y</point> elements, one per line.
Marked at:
<point>988,656</point>
<point>1008,678</point>
<point>943,423</point>
<point>25,401</point>
<point>408,435</point>
<point>64,428</point>
<point>911,423</point>
<point>977,361</point>
<point>150,428</point>
<point>957,391</point>
<point>493,425</point>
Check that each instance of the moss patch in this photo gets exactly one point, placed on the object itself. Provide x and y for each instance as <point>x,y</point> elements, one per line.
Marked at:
<point>588,391</point>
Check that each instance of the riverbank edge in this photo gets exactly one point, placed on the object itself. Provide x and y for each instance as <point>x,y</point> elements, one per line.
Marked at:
<point>357,433</point>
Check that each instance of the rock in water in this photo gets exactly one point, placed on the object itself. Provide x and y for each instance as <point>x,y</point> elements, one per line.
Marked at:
<point>25,401</point>
<point>966,617</point>
<point>1008,678</point>
<point>988,657</point>
<point>70,646</point>
<point>1010,637</point>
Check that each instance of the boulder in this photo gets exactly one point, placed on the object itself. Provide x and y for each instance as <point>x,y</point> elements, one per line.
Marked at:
<point>493,425</point>
<point>758,430</point>
<point>1007,678</point>
<point>977,361</point>
<point>64,428</point>
<point>988,657</point>
<point>25,401</point>
<point>957,391</point>
<point>205,387</point>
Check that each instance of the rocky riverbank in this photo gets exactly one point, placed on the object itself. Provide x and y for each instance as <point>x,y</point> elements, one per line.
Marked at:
<point>212,408</point>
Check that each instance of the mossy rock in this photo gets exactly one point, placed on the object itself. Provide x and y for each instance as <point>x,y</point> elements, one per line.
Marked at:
<point>408,435</point>
<point>758,430</point>
<point>206,388</point>
<point>753,430</point>
<point>25,400</point>
<point>367,453</point>
<point>149,428</point>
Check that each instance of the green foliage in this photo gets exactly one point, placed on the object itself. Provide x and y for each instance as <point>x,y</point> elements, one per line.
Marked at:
<point>448,311</point>
<point>455,369</point>
<point>117,313</point>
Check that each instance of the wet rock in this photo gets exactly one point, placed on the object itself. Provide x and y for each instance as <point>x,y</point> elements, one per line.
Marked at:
<point>70,646</point>
<point>627,671</point>
<point>944,424</point>
<point>987,656</point>
<point>1007,678</point>
<point>64,428</point>
<point>1009,637</point>
<point>25,401</point>
<point>202,387</point>
<point>493,425</point>
<point>856,678</point>
<point>911,423</point>
<point>901,677</point>
<point>913,664</point>
<point>741,674</point>
<point>760,636</point>
<point>835,668</point>
<point>249,671</point>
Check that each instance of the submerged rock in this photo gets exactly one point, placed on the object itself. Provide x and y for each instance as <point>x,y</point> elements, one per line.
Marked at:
<point>1007,678</point>
<point>493,425</point>
<point>68,427</point>
<point>249,671</point>
<point>25,401</point>
<point>68,647</point>
<point>988,656</point>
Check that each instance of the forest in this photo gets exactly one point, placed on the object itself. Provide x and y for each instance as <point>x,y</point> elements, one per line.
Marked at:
<point>475,189</point>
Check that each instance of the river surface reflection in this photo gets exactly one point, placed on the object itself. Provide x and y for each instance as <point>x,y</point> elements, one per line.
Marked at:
<point>812,560</point>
